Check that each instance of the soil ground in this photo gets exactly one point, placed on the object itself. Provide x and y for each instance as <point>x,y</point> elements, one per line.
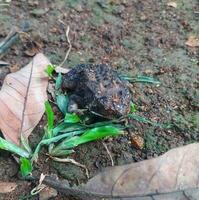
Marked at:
<point>135,37</point>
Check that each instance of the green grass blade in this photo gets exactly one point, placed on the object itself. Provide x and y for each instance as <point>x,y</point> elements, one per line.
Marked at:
<point>90,135</point>
<point>98,133</point>
<point>133,107</point>
<point>50,118</point>
<point>8,146</point>
<point>25,167</point>
<point>71,118</point>
<point>142,79</point>
<point>66,127</point>
<point>62,103</point>
<point>58,82</point>
<point>53,140</point>
<point>49,70</point>
<point>143,120</point>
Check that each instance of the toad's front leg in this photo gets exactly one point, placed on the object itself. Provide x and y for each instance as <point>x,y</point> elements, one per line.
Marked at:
<point>73,104</point>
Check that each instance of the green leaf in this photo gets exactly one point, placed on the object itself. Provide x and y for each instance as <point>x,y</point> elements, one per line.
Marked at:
<point>98,133</point>
<point>62,103</point>
<point>58,82</point>
<point>142,79</point>
<point>133,107</point>
<point>49,70</point>
<point>8,146</point>
<point>25,167</point>
<point>50,118</point>
<point>90,135</point>
<point>53,140</point>
<point>71,118</point>
<point>66,127</point>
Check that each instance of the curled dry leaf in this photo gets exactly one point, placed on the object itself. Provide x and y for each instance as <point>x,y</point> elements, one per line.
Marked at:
<point>172,4</point>
<point>6,187</point>
<point>137,141</point>
<point>14,68</point>
<point>192,41</point>
<point>47,193</point>
<point>22,99</point>
<point>176,170</point>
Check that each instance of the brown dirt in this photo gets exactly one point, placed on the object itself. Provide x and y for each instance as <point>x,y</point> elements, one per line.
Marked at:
<point>135,37</point>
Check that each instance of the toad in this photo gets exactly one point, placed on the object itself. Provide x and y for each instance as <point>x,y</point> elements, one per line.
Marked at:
<point>98,89</point>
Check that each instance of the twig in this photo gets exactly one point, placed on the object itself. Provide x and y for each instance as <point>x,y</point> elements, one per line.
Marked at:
<point>72,161</point>
<point>70,46</point>
<point>40,186</point>
<point>4,4</point>
<point>109,153</point>
<point>13,37</point>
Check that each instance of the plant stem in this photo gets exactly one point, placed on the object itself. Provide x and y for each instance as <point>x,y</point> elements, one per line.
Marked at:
<point>52,140</point>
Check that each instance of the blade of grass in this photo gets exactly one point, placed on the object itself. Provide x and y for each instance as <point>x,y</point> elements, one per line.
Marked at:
<point>143,120</point>
<point>90,135</point>
<point>58,82</point>
<point>50,119</point>
<point>133,107</point>
<point>71,118</point>
<point>62,103</point>
<point>49,70</point>
<point>25,167</point>
<point>53,140</point>
<point>8,146</point>
<point>66,127</point>
<point>142,79</point>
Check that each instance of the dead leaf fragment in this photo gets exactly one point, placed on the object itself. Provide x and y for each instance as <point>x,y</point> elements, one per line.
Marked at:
<point>6,187</point>
<point>22,99</point>
<point>47,193</point>
<point>137,141</point>
<point>172,4</point>
<point>176,170</point>
<point>14,68</point>
<point>192,41</point>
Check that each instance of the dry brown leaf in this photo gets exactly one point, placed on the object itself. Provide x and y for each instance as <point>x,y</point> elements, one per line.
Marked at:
<point>14,68</point>
<point>22,99</point>
<point>6,187</point>
<point>192,41</point>
<point>172,4</point>
<point>137,141</point>
<point>176,170</point>
<point>47,193</point>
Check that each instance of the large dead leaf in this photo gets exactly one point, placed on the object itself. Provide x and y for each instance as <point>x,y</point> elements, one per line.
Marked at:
<point>22,99</point>
<point>6,187</point>
<point>172,176</point>
<point>176,170</point>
